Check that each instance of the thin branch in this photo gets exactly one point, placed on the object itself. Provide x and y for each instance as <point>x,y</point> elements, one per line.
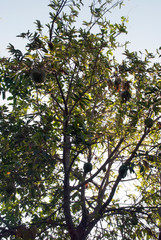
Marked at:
<point>54,99</point>
<point>62,94</point>
<point>107,10</point>
<point>57,14</point>
<point>70,84</point>
<point>81,95</point>
<point>109,159</point>
<point>105,180</point>
<point>75,157</point>
<point>97,214</point>
<point>127,161</point>
<point>104,184</point>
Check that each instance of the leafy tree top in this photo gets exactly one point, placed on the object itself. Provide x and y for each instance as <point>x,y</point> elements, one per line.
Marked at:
<point>78,130</point>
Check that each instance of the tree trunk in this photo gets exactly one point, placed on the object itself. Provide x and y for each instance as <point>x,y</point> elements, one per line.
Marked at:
<point>160,195</point>
<point>159,234</point>
<point>79,235</point>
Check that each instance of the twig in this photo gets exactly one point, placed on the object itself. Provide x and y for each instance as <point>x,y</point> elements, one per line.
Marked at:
<point>57,14</point>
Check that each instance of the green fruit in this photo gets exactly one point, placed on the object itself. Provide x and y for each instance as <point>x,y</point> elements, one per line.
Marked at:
<point>10,188</point>
<point>151,158</point>
<point>123,171</point>
<point>38,76</point>
<point>87,167</point>
<point>134,219</point>
<point>159,211</point>
<point>159,155</point>
<point>148,122</point>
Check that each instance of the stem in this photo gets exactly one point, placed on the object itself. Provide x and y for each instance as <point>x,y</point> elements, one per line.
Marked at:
<point>57,14</point>
<point>62,94</point>
<point>107,10</point>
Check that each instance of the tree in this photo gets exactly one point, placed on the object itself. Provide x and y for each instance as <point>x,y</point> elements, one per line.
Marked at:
<point>80,132</point>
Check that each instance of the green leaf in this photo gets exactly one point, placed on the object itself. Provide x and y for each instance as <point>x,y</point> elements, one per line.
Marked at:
<point>3,95</point>
<point>39,25</point>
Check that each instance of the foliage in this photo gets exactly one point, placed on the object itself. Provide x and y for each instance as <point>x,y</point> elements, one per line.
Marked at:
<point>78,158</point>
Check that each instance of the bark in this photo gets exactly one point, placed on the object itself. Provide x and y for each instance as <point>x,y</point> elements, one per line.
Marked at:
<point>66,205</point>
<point>79,233</point>
<point>159,235</point>
<point>160,195</point>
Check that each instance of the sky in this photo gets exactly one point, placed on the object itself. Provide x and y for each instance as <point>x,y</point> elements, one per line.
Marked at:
<point>144,31</point>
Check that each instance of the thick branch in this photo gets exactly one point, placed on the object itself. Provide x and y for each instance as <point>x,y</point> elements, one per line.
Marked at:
<point>85,214</point>
<point>66,160</point>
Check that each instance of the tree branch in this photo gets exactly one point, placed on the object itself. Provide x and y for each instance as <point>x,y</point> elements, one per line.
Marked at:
<point>62,94</point>
<point>109,159</point>
<point>107,10</point>
<point>98,213</point>
<point>57,14</point>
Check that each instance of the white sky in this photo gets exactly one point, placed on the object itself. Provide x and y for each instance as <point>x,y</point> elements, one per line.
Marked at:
<point>144,32</point>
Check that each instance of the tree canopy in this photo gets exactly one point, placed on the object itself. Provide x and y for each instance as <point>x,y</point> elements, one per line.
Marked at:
<point>80,149</point>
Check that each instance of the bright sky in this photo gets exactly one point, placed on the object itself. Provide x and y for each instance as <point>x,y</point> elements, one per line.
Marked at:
<point>144,31</point>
